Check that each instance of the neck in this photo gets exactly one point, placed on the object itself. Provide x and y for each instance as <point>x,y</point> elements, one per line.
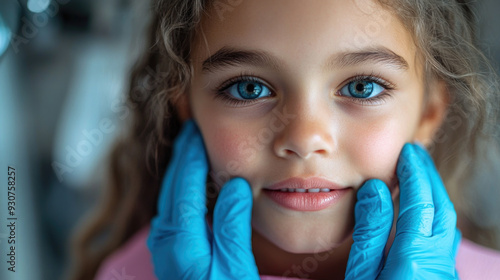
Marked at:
<point>272,260</point>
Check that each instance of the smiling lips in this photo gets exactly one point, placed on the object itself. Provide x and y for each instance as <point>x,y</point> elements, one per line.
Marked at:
<point>311,194</point>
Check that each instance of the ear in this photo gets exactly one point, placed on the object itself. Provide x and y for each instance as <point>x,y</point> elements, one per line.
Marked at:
<point>434,112</point>
<point>183,108</point>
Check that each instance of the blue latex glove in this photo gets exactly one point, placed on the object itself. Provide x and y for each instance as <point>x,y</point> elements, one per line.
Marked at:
<point>180,241</point>
<point>426,239</point>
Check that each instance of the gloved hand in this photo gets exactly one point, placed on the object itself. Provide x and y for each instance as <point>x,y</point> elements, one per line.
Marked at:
<point>180,241</point>
<point>426,239</point>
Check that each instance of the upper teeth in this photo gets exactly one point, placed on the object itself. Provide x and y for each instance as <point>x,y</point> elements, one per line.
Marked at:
<point>305,190</point>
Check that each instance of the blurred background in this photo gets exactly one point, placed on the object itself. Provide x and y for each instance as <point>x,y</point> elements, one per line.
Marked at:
<point>64,66</point>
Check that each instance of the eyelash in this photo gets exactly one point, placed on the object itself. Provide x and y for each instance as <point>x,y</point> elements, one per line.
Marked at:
<point>374,78</point>
<point>243,77</point>
<point>250,77</point>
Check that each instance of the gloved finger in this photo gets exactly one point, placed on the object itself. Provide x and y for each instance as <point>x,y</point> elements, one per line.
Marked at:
<point>166,197</point>
<point>232,248</point>
<point>416,208</point>
<point>190,186</point>
<point>374,216</point>
<point>171,239</point>
<point>445,217</point>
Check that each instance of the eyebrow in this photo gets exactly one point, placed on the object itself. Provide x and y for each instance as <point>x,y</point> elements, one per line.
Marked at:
<point>229,56</point>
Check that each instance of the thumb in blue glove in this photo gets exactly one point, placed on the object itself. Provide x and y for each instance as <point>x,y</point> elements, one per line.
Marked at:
<point>180,240</point>
<point>426,238</point>
<point>373,215</point>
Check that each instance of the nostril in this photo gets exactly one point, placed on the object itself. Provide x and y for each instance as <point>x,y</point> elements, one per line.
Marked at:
<point>321,152</point>
<point>288,152</point>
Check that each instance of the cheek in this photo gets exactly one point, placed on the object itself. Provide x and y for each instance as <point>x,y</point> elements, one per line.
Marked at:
<point>376,147</point>
<point>229,151</point>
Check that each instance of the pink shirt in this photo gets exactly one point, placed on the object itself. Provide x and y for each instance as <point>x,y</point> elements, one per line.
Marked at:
<point>133,261</point>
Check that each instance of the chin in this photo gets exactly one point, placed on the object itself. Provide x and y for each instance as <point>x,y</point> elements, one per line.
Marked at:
<point>306,239</point>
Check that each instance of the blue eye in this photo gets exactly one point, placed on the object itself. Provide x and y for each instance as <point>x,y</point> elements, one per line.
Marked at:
<point>362,89</point>
<point>248,89</point>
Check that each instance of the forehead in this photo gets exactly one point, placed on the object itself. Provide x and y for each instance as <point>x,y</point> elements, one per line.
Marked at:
<point>301,33</point>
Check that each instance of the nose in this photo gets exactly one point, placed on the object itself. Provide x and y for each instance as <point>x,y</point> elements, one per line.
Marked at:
<point>306,135</point>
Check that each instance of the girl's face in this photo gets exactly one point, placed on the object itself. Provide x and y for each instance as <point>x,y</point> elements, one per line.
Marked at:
<point>288,88</point>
